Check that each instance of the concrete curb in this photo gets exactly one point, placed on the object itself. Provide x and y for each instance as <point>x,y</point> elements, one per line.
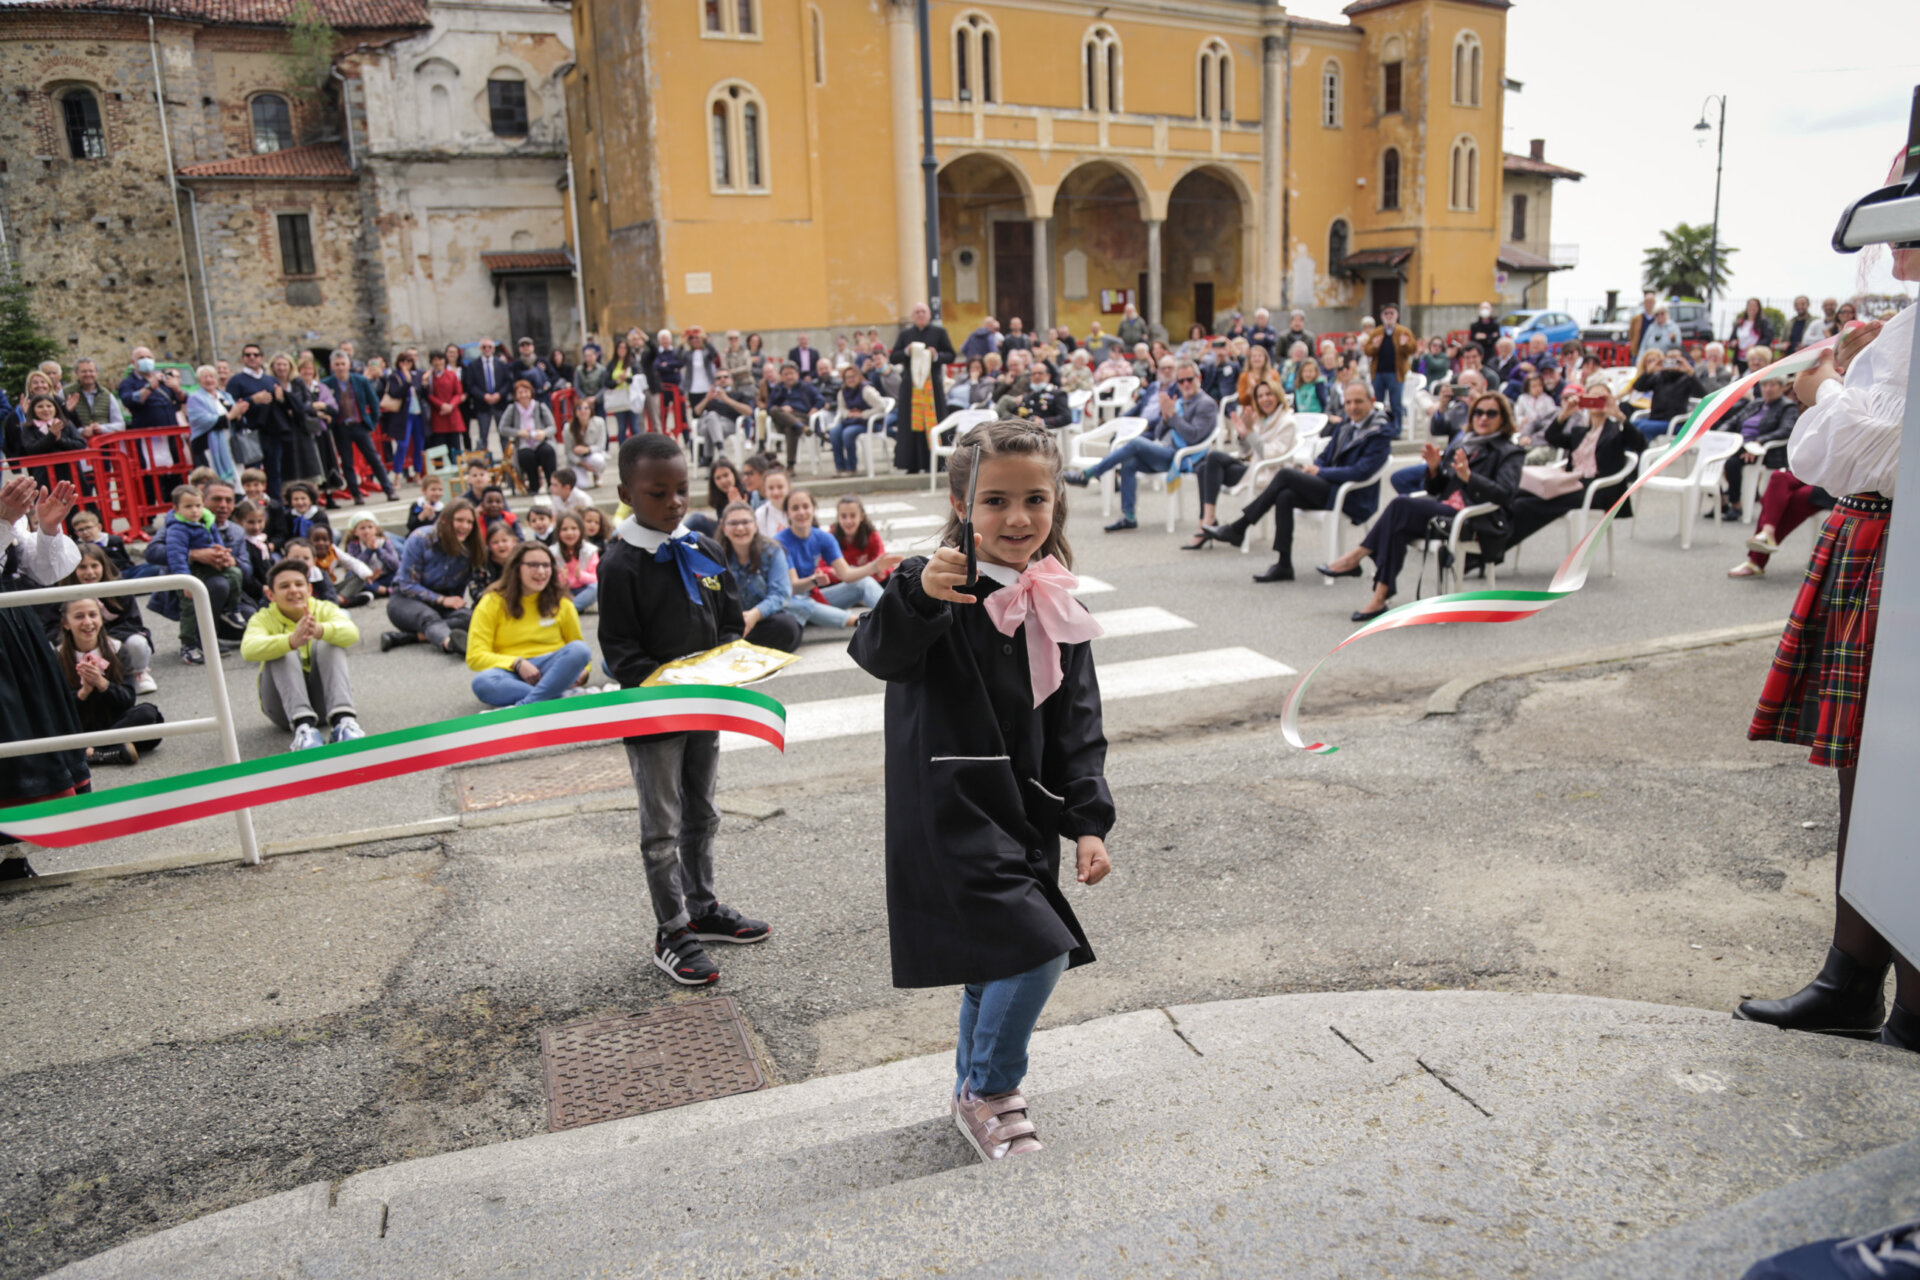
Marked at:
<point>600,802</point>
<point>1445,700</point>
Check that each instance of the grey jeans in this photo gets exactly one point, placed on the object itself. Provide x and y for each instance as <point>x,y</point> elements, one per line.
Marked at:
<point>674,774</point>
<point>417,617</point>
<point>288,692</point>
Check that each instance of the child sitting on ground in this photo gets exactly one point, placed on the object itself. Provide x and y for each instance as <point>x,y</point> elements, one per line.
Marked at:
<point>540,523</point>
<point>994,754</point>
<point>565,492</point>
<point>88,531</point>
<point>664,595</point>
<point>426,508</point>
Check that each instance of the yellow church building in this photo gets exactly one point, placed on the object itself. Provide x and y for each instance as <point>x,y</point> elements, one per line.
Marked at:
<point>756,163</point>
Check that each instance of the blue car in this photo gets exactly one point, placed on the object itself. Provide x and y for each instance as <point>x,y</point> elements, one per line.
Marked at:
<point>1558,326</point>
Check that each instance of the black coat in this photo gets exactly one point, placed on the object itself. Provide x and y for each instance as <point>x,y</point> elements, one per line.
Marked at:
<point>1493,475</point>
<point>981,788</point>
<point>936,339</point>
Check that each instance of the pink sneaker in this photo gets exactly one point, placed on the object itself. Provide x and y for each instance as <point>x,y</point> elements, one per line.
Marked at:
<point>996,1125</point>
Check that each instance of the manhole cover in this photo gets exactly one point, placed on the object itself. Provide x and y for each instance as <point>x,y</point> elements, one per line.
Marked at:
<point>571,773</point>
<point>613,1067</point>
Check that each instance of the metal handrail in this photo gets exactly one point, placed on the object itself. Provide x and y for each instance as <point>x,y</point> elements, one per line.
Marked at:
<point>221,721</point>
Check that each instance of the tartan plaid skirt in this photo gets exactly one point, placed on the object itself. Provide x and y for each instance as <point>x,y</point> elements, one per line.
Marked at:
<point>1816,691</point>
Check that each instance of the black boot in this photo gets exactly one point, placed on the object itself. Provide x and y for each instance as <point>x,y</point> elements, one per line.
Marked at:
<point>1847,999</point>
<point>394,639</point>
<point>1902,1030</point>
<point>16,869</point>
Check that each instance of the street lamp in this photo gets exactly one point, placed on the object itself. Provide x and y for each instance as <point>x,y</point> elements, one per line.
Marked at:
<point>929,163</point>
<point>1719,156</point>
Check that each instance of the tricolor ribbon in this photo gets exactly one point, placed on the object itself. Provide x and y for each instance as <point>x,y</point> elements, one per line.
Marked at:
<point>1512,606</point>
<point>146,806</point>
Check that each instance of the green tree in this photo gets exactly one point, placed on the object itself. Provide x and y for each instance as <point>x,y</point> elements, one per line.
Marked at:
<point>24,340</point>
<point>311,42</point>
<point>1678,264</point>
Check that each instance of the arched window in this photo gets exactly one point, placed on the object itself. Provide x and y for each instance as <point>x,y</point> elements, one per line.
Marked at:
<point>737,137</point>
<point>272,123</point>
<point>1213,82</point>
<point>1390,179</point>
<point>80,112</point>
<point>1466,70</point>
<point>1392,60</point>
<point>440,112</point>
<point>730,19</point>
<point>818,27</point>
<point>1337,236</point>
<point>975,45</point>
<point>1330,94</point>
<point>1101,54</point>
<point>1463,176</point>
<point>1519,219</point>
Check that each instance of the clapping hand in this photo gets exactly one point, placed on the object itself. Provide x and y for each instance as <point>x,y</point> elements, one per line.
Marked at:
<point>1430,454</point>
<point>16,498</point>
<point>1460,467</point>
<point>305,632</point>
<point>51,509</point>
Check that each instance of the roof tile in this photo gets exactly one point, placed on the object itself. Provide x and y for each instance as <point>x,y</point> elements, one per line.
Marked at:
<point>318,160</point>
<point>359,15</point>
<point>1527,164</point>
<point>535,260</point>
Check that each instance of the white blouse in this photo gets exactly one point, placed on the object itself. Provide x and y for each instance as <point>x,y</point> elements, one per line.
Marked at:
<point>1849,441</point>
<point>44,558</point>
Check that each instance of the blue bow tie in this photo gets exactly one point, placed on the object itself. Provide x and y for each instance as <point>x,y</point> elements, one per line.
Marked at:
<point>693,563</point>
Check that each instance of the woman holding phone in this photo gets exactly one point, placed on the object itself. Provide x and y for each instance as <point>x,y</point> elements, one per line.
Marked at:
<point>1670,386</point>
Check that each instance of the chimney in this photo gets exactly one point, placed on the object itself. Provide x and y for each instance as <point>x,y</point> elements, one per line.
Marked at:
<point>1537,148</point>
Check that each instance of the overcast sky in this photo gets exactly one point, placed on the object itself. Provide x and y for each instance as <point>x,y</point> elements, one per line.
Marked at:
<point>1817,104</point>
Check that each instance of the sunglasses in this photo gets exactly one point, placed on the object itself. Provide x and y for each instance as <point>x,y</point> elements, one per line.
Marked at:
<point>1486,413</point>
<point>1184,381</point>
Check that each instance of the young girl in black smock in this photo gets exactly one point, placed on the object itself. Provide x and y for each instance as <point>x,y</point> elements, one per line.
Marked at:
<point>994,754</point>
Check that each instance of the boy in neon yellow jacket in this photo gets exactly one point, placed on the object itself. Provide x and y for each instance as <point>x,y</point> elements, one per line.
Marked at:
<point>301,645</point>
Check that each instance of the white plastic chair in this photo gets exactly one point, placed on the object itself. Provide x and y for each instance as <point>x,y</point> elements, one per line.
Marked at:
<point>1457,544</point>
<point>1170,480</point>
<point>944,442</point>
<point>1112,398</point>
<point>1078,401</point>
<point>1753,481</point>
<point>877,426</point>
<point>815,438</point>
<point>1703,481</point>
<point>1334,518</point>
<point>1576,521</point>
<point>1090,447</point>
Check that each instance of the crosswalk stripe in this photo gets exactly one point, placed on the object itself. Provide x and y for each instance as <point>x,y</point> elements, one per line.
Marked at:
<point>916,522</point>
<point>849,717</point>
<point>830,656</point>
<point>889,508</point>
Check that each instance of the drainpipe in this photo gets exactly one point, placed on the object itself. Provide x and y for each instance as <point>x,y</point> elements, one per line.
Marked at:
<point>346,116</point>
<point>173,185</point>
<point>200,259</point>
<point>573,220</point>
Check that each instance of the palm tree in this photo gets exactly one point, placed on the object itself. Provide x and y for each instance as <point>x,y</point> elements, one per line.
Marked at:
<point>1678,265</point>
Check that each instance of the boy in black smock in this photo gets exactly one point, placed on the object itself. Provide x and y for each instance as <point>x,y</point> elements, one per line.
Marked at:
<point>994,753</point>
<point>665,595</point>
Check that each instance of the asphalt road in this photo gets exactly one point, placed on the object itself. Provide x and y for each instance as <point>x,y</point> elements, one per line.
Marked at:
<point>1199,641</point>
<point>186,1041</point>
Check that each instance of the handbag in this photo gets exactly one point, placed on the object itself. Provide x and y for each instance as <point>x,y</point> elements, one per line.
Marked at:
<point>246,447</point>
<point>1549,481</point>
<point>617,400</point>
<point>389,404</point>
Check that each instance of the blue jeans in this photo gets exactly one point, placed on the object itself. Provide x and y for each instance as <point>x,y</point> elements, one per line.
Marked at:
<point>1386,388</point>
<point>846,454</point>
<point>858,594</point>
<point>220,454</point>
<point>499,687</point>
<point>1411,479</point>
<point>812,613</point>
<point>584,598</point>
<point>996,1025</point>
<point>1136,455</point>
<point>409,453</point>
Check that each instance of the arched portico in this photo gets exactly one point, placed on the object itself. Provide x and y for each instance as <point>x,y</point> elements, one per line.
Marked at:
<point>1100,244</point>
<point>988,243</point>
<point>1208,254</point>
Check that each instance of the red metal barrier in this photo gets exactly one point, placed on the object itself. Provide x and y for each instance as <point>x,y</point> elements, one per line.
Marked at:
<point>149,463</point>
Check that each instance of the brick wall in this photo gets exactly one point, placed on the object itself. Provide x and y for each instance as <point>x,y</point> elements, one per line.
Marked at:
<point>252,297</point>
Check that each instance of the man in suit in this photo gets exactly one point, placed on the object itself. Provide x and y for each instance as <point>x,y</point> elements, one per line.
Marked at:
<point>804,358</point>
<point>488,382</point>
<point>353,424</point>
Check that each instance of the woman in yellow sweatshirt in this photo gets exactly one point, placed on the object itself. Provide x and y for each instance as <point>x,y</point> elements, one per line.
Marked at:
<point>524,640</point>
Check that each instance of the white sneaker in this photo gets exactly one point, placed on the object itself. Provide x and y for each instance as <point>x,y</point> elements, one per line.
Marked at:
<point>346,729</point>
<point>307,737</point>
<point>144,683</point>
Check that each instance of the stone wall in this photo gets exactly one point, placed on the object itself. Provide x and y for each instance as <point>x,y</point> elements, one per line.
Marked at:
<point>96,238</point>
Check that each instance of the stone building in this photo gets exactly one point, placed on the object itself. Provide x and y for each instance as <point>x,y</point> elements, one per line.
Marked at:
<point>757,165</point>
<point>257,197</point>
<point>1527,254</point>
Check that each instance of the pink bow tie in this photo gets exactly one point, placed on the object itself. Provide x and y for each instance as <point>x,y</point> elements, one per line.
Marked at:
<point>1043,600</point>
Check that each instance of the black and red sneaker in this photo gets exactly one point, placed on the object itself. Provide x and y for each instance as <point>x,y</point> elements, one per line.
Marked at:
<point>681,957</point>
<point>724,924</point>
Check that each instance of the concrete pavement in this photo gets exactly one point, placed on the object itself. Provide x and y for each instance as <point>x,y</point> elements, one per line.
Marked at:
<point>1365,1133</point>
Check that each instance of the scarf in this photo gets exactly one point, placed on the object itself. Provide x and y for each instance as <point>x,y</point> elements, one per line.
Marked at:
<point>920,369</point>
<point>1043,600</point>
<point>684,550</point>
<point>1586,454</point>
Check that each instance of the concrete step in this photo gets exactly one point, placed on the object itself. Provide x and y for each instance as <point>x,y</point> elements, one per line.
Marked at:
<point>1486,1131</point>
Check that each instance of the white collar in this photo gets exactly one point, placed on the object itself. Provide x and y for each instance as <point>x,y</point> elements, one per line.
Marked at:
<point>634,533</point>
<point>1000,573</point>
